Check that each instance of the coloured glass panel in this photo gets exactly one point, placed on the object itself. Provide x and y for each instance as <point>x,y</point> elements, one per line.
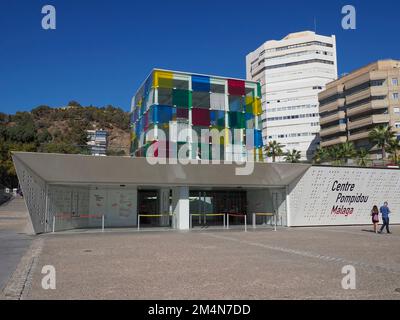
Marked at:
<point>257,107</point>
<point>201,83</point>
<point>200,117</point>
<point>217,118</point>
<point>217,101</point>
<point>201,99</point>
<point>258,138</point>
<point>236,103</point>
<point>236,87</point>
<point>258,90</point>
<point>181,98</point>
<point>164,96</point>
<point>236,120</point>
<point>162,114</point>
<point>163,79</point>
<point>182,113</point>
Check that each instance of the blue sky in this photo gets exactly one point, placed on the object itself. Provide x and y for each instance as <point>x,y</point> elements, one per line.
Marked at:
<point>102,50</point>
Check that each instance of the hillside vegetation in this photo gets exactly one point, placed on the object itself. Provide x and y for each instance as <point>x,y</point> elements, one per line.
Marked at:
<point>58,130</point>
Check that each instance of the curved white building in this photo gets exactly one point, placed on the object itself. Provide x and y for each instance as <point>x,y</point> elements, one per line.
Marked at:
<point>292,72</point>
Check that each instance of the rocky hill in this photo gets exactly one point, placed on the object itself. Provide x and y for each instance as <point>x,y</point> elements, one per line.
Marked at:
<point>60,130</point>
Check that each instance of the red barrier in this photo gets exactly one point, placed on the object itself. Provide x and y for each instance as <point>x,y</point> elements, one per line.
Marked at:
<point>65,216</point>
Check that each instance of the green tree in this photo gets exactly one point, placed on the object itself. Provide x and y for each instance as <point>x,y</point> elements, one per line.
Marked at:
<point>274,149</point>
<point>393,147</point>
<point>41,111</point>
<point>347,151</point>
<point>293,156</point>
<point>381,136</point>
<point>44,136</point>
<point>321,155</point>
<point>336,154</point>
<point>74,103</point>
<point>363,157</point>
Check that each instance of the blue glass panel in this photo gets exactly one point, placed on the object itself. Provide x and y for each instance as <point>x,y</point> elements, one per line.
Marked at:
<point>201,83</point>
<point>163,114</point>
<point>258,138</point>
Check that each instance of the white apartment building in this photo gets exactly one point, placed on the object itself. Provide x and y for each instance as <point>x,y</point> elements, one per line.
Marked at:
<point>292,72</point>
<point>97,142</point>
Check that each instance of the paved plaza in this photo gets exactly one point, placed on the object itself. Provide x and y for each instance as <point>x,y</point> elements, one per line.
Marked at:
<point>291,263</point>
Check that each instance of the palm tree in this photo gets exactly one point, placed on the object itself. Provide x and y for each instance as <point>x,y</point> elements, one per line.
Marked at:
<point>348,151</point>
<point>363,157</point>
<point>321,154</point>
<point>393,147</point>
<point>381,136</point>
<point>274,149</point>
<point>336,154</point>
<point>293,156</point>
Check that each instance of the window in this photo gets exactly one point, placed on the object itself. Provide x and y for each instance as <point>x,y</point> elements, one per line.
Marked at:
<point>397,125</point>
<point>395,82</point>
<point>395,96</point>
<point>396,110</point>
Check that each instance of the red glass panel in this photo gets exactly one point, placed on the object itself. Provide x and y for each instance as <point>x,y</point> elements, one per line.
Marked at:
<point>182,113</point>
<point>236,87</point>
<point>200,117</point>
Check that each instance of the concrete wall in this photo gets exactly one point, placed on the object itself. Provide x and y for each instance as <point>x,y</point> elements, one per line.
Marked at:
<point>314,202</point>
<point>118,205</point>
<point>34,190</point>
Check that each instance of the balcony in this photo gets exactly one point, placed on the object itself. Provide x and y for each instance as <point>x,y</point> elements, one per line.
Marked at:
<point>333,117</point>
<point>366,93</point>
<point>334,105</point>
<point>359,136</point>
<point>368,120</point>
<point>331,142</point>
<point>368,106</point>
<point>332,130</point>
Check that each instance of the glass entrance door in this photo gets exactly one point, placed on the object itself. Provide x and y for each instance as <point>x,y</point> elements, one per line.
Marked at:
<point>206,204</point>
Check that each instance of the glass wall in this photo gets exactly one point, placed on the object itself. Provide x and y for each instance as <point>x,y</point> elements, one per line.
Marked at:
<point>206,206</point>
<point>172,101</point>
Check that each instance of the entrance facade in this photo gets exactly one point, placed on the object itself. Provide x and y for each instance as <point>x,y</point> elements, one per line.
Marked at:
<point>208,207</point>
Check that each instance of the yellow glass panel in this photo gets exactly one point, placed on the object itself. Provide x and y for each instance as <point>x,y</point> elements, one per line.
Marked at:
<point>163,79</point>
<point>257,110</point>
<point>249,100</point>
<point>227,137</point>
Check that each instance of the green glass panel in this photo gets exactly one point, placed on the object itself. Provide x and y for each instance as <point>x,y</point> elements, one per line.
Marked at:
<point>258,90</point>
<point>181,98</point>
<point>237,120</point>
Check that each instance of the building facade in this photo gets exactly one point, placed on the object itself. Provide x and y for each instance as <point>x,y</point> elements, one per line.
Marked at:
<point>97,142</point>
<point>292,72</point>
<point>172,112</point>
<point>79,191</point>
<point>353,105</point>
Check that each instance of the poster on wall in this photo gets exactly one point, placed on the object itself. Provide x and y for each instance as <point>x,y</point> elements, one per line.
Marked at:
<point>98,203</point>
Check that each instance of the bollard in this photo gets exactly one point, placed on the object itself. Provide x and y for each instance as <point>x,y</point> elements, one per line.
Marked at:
<point>102,223</point>
<point>138,222</point>
<point>254,220</point>
<point>224,220</point>
<point>54,223</point>
<point>245,223</point>
<point>227,221</point>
